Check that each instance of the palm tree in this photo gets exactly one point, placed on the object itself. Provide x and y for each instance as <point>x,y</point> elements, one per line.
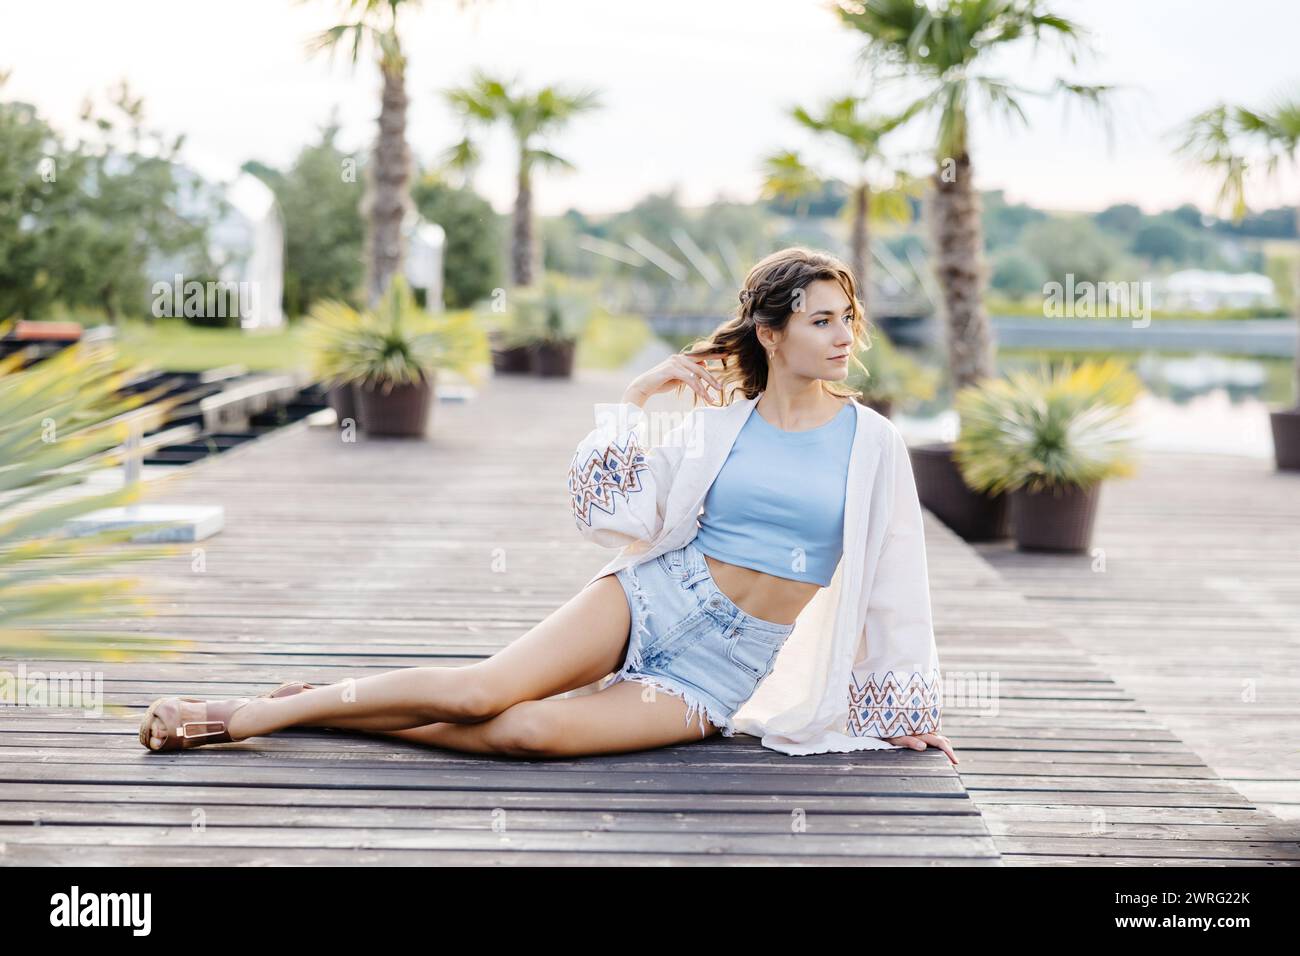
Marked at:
<point>944,45</point>
<point>388,196</point>
<point>530,116</point>
<point>789,177</point>
<point>1220,139</point>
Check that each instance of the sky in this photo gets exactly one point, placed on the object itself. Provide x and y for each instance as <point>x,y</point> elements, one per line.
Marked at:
<point>695,92</point>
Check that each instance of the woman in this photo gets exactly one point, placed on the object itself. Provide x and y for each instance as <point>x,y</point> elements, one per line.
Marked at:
<point>703,620</point>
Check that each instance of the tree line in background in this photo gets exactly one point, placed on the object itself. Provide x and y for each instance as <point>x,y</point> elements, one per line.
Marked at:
<point>79,220</point>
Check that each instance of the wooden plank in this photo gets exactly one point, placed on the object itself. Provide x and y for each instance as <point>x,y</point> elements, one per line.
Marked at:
<point>296,856</point>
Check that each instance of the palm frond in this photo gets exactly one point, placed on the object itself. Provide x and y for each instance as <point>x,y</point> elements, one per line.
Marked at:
<point>63,419</point>
<point>787,177</point>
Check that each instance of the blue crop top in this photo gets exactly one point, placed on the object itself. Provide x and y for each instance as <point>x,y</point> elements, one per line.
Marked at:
<point>777,505</point>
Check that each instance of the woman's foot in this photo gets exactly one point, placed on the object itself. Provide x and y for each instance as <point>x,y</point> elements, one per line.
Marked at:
<point>182,723</point>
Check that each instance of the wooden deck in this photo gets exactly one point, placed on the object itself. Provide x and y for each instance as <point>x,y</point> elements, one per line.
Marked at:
<point>347,559</point>
<point>1067,767</point>
<point>1196,611</point>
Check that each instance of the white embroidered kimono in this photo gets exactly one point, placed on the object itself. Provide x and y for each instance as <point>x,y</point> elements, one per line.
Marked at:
<point>861,663</point>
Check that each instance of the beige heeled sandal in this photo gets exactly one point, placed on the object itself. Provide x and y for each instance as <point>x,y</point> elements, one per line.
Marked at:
<point>191,722</point>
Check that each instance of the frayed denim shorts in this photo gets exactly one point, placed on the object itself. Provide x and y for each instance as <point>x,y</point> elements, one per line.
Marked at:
<point>690,640</point>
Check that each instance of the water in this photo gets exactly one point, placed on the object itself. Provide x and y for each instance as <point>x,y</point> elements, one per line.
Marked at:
<point>1195,401</point>
<point>1204,402</point>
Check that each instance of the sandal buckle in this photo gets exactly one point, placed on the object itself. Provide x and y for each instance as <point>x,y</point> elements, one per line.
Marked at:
<point>182,730</point>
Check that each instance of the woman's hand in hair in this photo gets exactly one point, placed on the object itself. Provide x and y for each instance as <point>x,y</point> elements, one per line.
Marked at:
<point>673,372</point>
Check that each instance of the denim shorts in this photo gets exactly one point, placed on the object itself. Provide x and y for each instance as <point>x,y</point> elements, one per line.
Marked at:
<point>690,640</point>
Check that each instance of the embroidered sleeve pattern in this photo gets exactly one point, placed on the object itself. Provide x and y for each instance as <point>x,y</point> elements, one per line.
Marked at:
<point>598,481</point>
<point>895,687</point>
<point>894,705</point>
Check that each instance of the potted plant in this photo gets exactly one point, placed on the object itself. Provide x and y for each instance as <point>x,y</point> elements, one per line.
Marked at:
<point>972,514</point>
<point>512,329</point>
<point>891,378</point>
<point>1285,422</point>
<point>1049,440</point>
<point>330,333</point>
<point>1286,437</point>
<point>567,308</point>
<point>390,356</point>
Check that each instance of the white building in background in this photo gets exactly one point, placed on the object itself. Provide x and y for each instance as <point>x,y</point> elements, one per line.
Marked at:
<point>245,240</point>
<point>249,241</point>
<point>425,245</point>
<point>1200,290</point>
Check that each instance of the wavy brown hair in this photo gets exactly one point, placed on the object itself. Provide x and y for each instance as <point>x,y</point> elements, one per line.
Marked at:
<point>768,299</point>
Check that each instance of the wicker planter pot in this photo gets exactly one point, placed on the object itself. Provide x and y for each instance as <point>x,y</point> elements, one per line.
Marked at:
<point>1286,438</point>
<point>1059,519</point>
<point>884,406</point>
<point>402,411</point>
<point>516,360</point>
<point>343,400</point>
<point>553,359</point>
<point>973,515</point>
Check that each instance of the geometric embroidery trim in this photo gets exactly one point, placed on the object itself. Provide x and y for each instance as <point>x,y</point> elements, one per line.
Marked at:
<point>604,476</point>
<point>892,707</point>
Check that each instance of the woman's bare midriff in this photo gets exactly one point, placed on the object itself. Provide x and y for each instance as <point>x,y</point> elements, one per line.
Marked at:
<point>762,595</point>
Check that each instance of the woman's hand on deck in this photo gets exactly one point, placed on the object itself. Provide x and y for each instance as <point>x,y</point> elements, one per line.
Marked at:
<point>919,741</point>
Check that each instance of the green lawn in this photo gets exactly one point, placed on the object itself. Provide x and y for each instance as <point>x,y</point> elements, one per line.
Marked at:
<point>611,341</point>
<point>171,344</point>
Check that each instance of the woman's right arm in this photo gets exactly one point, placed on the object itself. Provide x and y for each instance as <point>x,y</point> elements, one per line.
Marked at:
<point>618,480</point>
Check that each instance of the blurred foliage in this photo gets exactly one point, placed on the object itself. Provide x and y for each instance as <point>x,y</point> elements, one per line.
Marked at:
<point>568,306</point>
<point>1069,425</point>
<point>60,421</point>
<point>1073,245</point>
<point>557,309</point>
<point>324,237</point>
<point>611,341</point>
<point>79,221</point>
<point>891,374</point>
<point>475,237</point>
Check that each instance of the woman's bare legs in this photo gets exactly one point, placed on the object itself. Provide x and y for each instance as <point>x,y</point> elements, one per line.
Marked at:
<point>624,717</point>
<point>579,643</point>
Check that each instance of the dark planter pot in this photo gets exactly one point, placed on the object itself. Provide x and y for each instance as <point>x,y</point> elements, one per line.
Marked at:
<point>1059,519</point>
<point>1286,438</point>
<point>972,514</point>
<point>882,405</point>
<point>553,359</point>
<point>517,360</point>
<point>343,400</point>
<point>403,411</point>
